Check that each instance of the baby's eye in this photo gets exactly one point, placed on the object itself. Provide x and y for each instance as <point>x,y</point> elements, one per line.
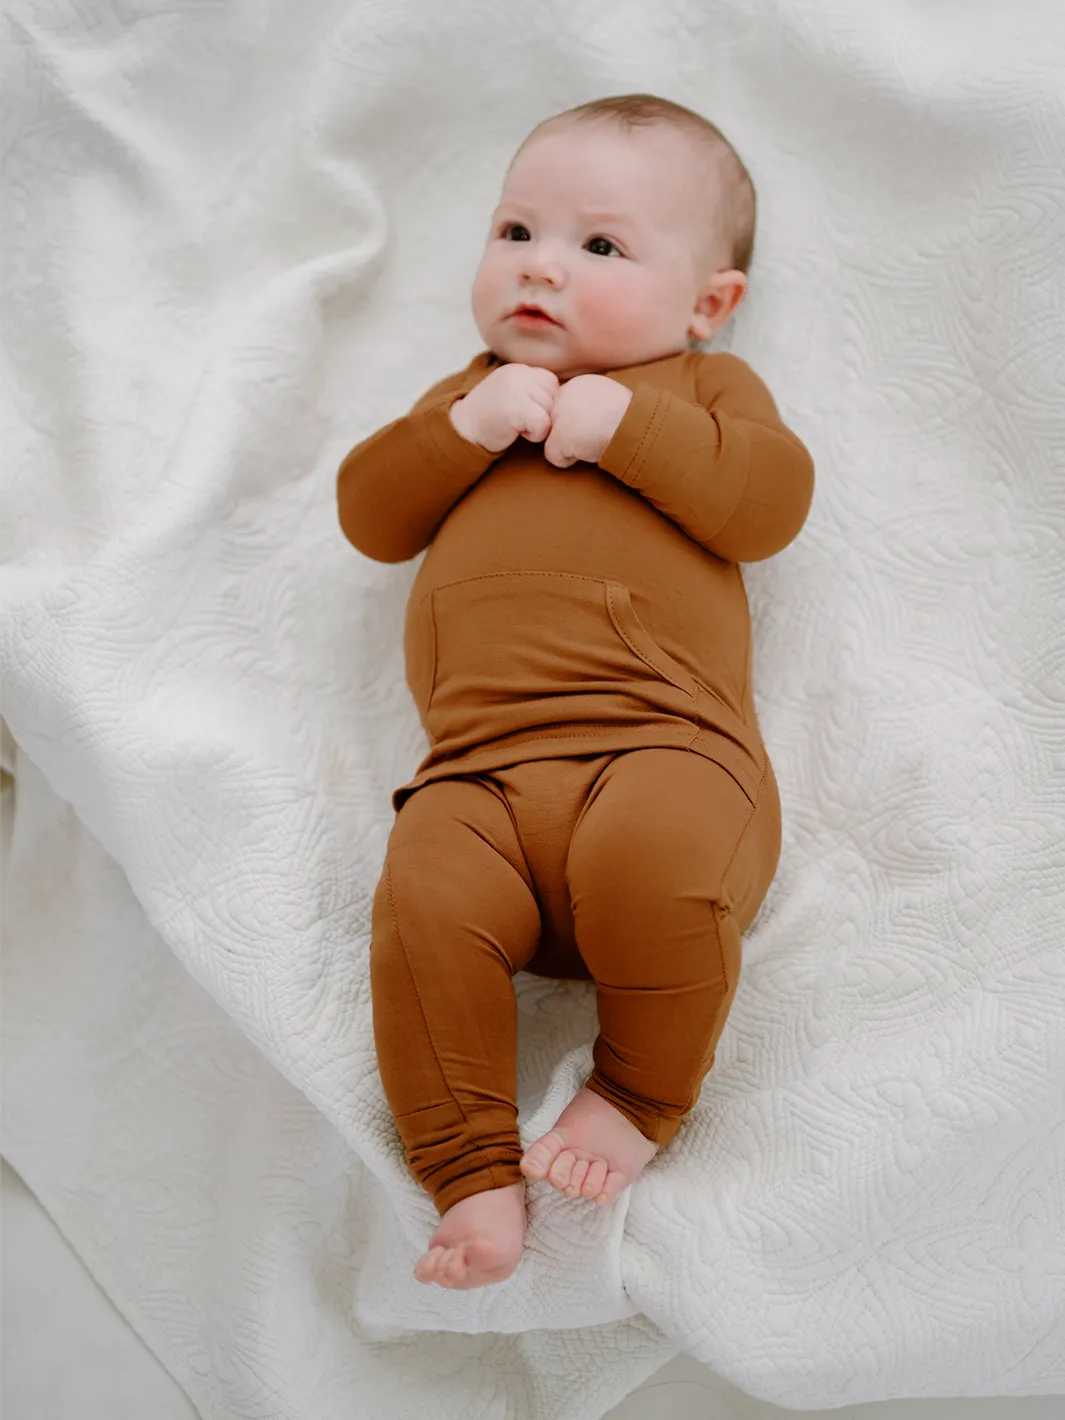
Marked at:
<point>596,244</point>
<point>515,232</point>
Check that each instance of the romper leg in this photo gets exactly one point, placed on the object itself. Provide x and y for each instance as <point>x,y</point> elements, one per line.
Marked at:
<point>667,865</point>
<point>454,917</point>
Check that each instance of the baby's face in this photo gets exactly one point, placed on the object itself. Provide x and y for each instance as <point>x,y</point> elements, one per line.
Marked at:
<point>606,232</point>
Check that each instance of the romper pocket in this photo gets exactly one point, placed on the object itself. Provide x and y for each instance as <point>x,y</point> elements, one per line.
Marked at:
<point>512,652</point>
<point>639,640</point>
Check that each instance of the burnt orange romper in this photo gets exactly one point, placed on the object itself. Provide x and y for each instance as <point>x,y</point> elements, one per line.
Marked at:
<point>596,802</point>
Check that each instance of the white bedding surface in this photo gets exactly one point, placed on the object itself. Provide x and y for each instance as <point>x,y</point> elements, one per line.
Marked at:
<point>65,1352</point>
<point>240,236</point>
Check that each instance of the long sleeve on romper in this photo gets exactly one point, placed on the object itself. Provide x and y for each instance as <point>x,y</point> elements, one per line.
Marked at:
<point>727,470</point>
<point>397,486</point>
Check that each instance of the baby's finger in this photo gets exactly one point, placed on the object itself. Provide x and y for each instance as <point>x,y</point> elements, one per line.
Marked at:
<point>545,379</point>
<point>553,454</point>
<point>545,399</point>
<point>536,423</point>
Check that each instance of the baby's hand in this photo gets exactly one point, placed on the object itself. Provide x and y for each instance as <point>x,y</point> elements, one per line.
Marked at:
<point>588,410</point>
<point>513,400</point>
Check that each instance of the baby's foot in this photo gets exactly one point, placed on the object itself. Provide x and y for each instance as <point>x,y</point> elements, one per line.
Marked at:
<point>478,1242</point>
<point>592,1152</point>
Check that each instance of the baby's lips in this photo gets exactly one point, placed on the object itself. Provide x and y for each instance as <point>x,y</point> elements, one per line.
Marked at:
<point>530,308</point>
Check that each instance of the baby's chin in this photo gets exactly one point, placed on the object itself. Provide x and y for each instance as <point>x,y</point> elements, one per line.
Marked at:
<point>546,353</point>
<point>549,350</point>
<point>539,348</point>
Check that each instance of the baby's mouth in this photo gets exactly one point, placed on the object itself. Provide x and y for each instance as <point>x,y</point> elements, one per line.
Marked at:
<point>533,315</point>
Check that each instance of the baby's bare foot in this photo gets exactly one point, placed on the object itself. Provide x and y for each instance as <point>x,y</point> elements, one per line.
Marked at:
<point>478,1242</point>
<point>592,1152</point>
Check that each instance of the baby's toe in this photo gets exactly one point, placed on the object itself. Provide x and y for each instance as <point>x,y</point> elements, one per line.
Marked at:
<point>454,1267</point>
<point>593,1184</point>
<point>577,1177</point>
<point>539,1157</point>
<point>425,1269</point>
<point>562,1168</point>
<point>615,1182</point>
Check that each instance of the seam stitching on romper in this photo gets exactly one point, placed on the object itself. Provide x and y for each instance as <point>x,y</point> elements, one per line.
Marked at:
<point>458,1104</point>
<point>650,438</point>
<point>484,778</point>
<point>669,679</point>
<point>526,572</point>
<point>590,734</point>
<point>743,834</point>
<point>716,908</point>
<point>436,650</point>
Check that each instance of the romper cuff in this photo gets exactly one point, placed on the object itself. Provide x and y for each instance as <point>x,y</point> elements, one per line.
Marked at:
<point>634,439</point>
<point>444,445</point>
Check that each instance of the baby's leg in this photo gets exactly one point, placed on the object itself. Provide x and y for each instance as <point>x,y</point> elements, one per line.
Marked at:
<point>453,918</point>
<point>667,865</point>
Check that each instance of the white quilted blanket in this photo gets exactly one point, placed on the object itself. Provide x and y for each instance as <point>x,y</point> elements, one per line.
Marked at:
<point>239,236</point>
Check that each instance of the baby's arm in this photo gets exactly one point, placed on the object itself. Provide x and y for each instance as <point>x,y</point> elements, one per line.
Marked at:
<point>726,470</point>
<point>397,486</point>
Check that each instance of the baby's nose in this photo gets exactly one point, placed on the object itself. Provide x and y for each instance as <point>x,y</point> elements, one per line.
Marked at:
<point>542,265</point>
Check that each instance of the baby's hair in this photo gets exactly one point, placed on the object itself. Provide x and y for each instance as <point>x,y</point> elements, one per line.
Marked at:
<point>739,201</point>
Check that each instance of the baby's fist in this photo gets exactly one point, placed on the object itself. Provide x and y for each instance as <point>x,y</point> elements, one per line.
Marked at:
<point>515,400</point>
<point>588,410</point>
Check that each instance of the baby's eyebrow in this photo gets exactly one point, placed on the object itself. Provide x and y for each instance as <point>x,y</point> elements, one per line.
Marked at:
<point>599,216</point>
<point>586,213</point>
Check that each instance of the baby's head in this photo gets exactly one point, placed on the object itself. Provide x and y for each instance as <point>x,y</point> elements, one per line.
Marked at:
<point>630,221</point>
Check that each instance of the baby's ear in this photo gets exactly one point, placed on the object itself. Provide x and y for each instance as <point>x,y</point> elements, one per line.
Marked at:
<point>721,293</point>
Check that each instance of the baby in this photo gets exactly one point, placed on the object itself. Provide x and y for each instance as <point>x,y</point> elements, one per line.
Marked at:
<point>597,802</point>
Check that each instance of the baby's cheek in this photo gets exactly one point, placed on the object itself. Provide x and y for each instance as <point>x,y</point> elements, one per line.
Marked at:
<point>614,305</point>
<point>487,293</point>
